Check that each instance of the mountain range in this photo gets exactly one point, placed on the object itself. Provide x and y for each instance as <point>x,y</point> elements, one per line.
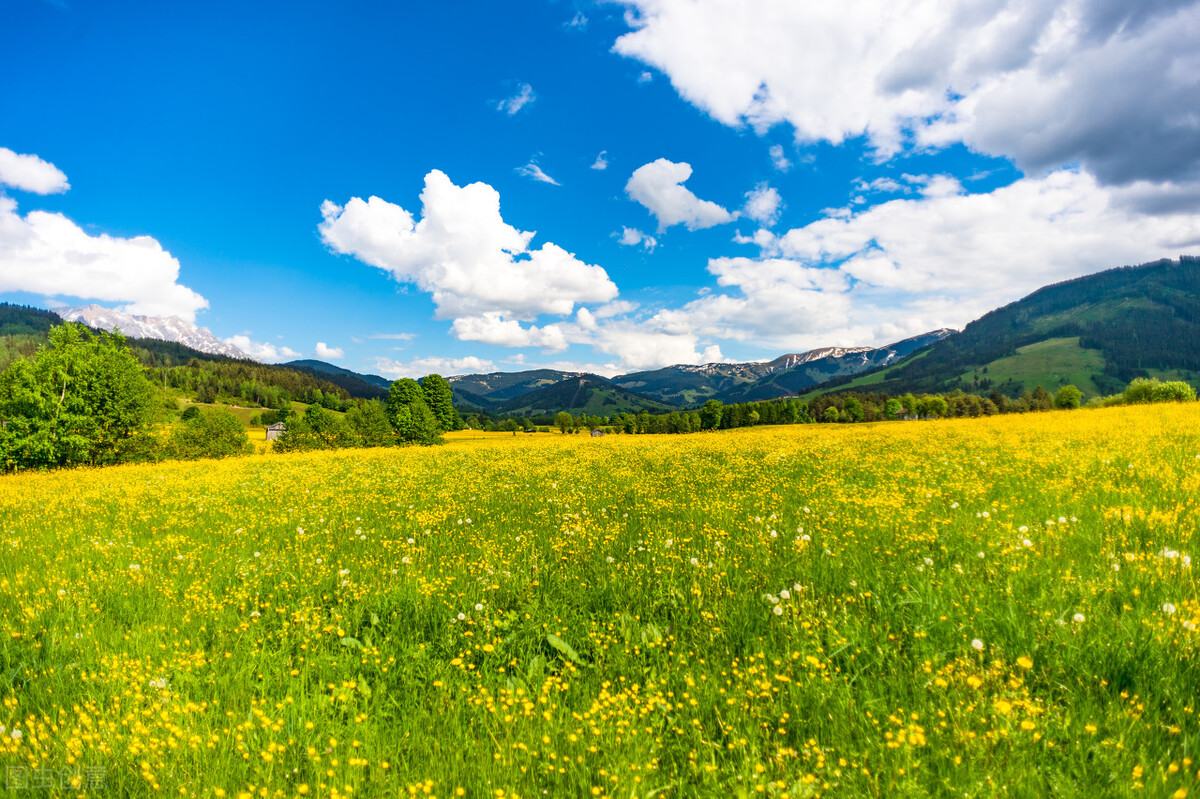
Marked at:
<point>164,328</point>
<point>1096,332</point>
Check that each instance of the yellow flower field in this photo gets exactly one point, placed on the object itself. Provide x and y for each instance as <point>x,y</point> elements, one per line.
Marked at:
<point>977,607</point>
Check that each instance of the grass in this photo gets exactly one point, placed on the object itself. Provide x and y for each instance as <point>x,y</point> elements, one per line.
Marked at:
<point>1051,363</point>
<point>773,611</point>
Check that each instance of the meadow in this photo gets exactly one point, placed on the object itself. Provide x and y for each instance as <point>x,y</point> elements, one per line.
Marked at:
<point>1001,606</point>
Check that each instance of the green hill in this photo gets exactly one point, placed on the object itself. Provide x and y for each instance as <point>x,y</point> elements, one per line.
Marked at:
<point>590,394</point>
<point>1097,332</point>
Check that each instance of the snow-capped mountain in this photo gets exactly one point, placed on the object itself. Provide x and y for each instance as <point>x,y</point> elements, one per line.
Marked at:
<point>164,328</point>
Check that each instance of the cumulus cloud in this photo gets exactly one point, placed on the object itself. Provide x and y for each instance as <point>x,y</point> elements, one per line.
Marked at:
<point>763,204</point>
<point>30,173</point>
<point>493,328</point>
<point>631,237</point>
<point>261,351</point>
<point>329,353</point>
<point>48,254</point>
<point>1105,84</point>
<point>533,171</point>
<point>419,367</point>
<point>658,187</point>
<point>511,105</point>
<point>913,264</point>
<point>601,162</point>
<point>464,254</point>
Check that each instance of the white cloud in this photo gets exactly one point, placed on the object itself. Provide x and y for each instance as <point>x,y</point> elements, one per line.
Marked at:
<point>914,264</point>
<point>46,253</point>
<point>631,237</point>
<point>778,159</point>
<point>577,22</point>
<point>493,328</point>
<point>615,308</point>
<point>601,162</point>
<point>261,351</point>
<point>419,367</point>
<point>511,105</point>
<point>658,187</point>
<point>885,185</point>
<point>763,204</point>
<point>532,170</point>
<point>464,254</point>
<point>30,173</point>
<point>1104,83</point>
<point>645,77</point>
<point>329,353</point>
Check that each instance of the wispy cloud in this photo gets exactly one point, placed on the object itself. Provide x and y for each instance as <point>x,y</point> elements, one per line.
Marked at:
<point>601,162</point>
<point>532,170</point>
<point>511,105</point>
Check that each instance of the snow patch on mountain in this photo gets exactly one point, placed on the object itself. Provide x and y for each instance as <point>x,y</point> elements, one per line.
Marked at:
<point>163,328</point>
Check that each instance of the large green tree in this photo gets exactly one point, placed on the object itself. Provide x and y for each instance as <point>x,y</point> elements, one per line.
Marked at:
<point>410,415</point>
<point>440,399</point>
<point>80,400</point>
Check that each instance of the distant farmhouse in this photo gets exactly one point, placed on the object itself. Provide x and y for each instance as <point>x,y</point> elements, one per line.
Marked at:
<point>597,433</point>
<point>276,430</point>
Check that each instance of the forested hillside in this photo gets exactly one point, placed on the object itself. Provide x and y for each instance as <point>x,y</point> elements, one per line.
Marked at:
<point>1110,327</point>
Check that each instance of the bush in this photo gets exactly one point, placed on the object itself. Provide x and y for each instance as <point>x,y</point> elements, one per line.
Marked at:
<point>211,433</point>
<point>1154,390</point>
<point>1068,397</point>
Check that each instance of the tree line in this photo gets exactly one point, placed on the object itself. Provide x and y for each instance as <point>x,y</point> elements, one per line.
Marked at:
<point>85,399</point>
<point>414,413</point>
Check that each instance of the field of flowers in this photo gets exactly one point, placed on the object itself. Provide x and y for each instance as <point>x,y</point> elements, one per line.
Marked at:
<point>1001,606</point>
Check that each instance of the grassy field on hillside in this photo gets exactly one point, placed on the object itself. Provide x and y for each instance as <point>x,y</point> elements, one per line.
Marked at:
<point>1050,364</point>
<point>1002,606</point>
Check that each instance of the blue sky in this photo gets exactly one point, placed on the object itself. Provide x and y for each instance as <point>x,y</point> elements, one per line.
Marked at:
<point>777,176</point>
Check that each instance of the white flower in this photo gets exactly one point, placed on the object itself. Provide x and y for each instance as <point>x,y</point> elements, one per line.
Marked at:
<point>609,559</point>
<point>412,540</point>
<point>1078,618</point>
<point>255,613</point>
<point>981,555</point>
<point>928,561</point>
<point>1169,609</point>
<point>300,530</point>
<point>670,543</point>
<point>797,587</point>
<point>1026,542</point>
<point>258,554</point>
<point>1062,519</point>
<point>986,515</point>
<point>135,567</point>
<point>1185,561</point>
<point>785,594</point>
<point>461,617</point>
<point>977,645</point>
<point>777,610</point>
<point>16,735</point>
<point>954,504</point>
<point>695,562</point>
<point>320,560</point>
<point>806,537</point>
<point>404,559</point>
<point>343,572</point>
<point>774,534</point>
<point>1022,529</point>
